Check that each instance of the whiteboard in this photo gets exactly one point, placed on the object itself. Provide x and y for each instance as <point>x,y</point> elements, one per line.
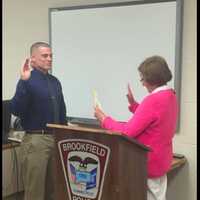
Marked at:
<point>100,47</point>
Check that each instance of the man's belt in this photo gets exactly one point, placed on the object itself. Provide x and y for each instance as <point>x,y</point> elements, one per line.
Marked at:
<point>42,132</point>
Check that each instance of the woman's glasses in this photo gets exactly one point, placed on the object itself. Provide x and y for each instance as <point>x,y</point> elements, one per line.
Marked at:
<point>141,79</point>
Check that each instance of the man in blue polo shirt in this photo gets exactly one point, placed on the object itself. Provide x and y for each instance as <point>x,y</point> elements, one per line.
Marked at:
<point>38,100</point>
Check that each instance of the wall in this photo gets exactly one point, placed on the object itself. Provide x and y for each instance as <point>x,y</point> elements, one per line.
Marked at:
<point>182,184</point>
<point>26,21</point>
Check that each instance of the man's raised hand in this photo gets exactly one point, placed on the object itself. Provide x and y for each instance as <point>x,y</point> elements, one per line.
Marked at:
<point>26,70</point>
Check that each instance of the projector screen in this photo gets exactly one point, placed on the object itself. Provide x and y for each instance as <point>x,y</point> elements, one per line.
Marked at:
<point>99,48</point>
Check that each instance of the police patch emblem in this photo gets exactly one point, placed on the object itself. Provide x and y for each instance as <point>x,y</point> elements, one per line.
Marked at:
<point>84,165</point>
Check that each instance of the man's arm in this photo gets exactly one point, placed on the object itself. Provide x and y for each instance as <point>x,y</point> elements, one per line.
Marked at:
<point>19,103</point>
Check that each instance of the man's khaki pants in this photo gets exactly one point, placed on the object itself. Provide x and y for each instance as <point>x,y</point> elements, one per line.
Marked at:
<point>37,168</point>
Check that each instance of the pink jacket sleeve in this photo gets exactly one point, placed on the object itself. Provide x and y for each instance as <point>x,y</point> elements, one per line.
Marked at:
<point>144,116</point>
<point>132,108</point>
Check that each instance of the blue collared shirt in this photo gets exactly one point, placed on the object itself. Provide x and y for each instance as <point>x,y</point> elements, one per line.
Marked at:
<point>33,102</point>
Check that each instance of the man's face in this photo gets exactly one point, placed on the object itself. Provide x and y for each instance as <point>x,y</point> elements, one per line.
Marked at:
<point>41,58</point>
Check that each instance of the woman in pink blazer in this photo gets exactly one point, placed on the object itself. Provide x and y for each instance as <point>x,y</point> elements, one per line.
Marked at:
<point>153,123</point>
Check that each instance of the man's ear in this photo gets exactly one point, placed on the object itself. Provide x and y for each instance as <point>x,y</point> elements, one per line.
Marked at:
<point>32,61</point>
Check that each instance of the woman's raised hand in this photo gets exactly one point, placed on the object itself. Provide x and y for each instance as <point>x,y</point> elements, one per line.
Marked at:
<point>129,96</point>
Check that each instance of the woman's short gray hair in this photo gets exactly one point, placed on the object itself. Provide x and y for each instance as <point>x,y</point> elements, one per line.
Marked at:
<point>155,70</point>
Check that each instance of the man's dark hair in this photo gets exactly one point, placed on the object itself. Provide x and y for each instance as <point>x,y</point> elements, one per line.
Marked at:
<point>37,45</point>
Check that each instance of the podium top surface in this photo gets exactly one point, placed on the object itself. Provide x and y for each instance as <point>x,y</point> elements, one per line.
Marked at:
<point>75,127</point>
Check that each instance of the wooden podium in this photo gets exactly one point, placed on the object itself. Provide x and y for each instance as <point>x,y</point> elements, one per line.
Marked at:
<point>95,164</point>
